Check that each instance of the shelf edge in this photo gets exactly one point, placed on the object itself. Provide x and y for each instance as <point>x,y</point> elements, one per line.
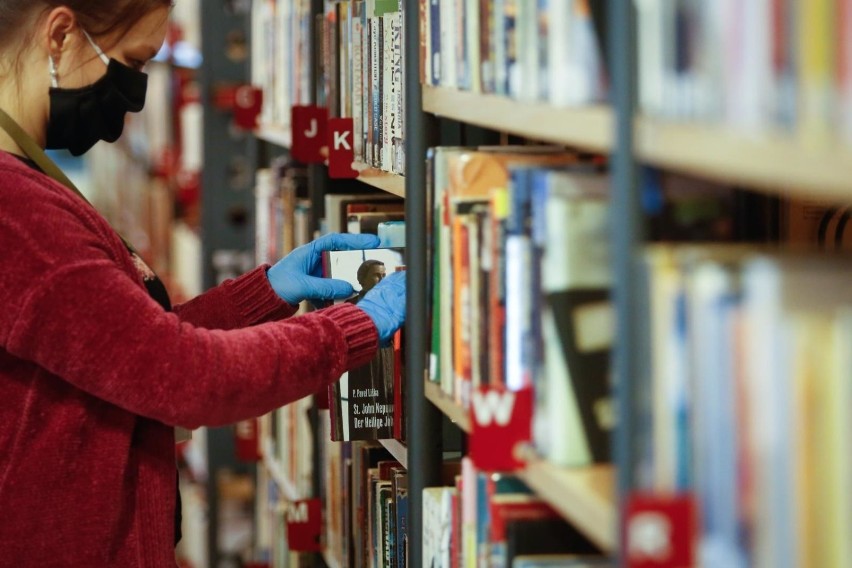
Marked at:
<point>448,407</point>
<point>398,450</point>
<point>590,127</point>
<point>576,494</point>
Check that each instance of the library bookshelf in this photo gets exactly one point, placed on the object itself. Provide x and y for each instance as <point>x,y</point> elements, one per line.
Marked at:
<point>278,135</point>
<point>772,163</point>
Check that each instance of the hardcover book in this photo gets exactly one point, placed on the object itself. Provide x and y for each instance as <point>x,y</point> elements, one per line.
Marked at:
<point>362,402</point>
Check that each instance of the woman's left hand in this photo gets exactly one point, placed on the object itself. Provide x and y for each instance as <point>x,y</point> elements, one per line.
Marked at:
<point>298,276</point>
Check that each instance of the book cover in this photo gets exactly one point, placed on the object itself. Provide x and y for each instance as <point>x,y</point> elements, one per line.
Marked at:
<point>577,318</point>
<point>362,401</point>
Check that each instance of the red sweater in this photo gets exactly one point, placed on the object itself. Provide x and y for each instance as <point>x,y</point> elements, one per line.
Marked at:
<point>94,374</point>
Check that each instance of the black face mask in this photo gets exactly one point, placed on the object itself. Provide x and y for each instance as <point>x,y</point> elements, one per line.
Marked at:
<point>79,118</point>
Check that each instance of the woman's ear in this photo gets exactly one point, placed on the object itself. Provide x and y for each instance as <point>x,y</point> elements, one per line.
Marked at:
<point>58,25</point>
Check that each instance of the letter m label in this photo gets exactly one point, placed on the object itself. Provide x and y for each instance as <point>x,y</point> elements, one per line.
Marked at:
<point>304,525</point>
<point>500,421</point>
<point>298,513</point>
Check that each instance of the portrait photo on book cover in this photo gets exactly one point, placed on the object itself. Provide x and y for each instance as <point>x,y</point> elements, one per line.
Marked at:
<point>362,402</point>
<point>362,268</point>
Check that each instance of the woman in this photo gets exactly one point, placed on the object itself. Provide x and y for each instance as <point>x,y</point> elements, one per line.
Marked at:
<point>95,370</point>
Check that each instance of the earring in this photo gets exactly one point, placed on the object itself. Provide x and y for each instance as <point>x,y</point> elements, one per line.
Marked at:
<point>54,74</point>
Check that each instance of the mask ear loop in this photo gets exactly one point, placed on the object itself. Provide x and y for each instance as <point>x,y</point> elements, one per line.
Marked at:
<point>97,49</point>
<point>54,74</point>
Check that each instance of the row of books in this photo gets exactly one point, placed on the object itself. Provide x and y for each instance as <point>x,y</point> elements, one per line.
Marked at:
<point>520,288</point>
<point>366,505</point>
<point>532,51</point>
<point>478,519</point>
<point>749,388</point>
<point>361,77</point>
<point>758,66</point>
<point>281,56</point>
<point>493,519</point>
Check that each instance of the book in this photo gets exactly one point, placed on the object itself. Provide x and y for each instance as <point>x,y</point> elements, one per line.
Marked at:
<point>571,212</point>
<point>362,401</point>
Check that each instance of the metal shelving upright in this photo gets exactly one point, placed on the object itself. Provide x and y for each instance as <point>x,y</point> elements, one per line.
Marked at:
<point>226,206</point>
<point>423,421</point>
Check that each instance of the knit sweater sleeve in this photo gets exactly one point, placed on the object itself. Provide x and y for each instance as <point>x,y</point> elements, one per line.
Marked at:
<point>73,308</point>
<point>241,302</point>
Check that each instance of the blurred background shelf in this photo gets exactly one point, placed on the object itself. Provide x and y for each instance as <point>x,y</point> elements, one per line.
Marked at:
<point>276,472</point>
<point>279,135</point>
<point>773,162</point>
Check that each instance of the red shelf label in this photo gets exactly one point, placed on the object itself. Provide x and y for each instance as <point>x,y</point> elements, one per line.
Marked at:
<point>501,420</point>
<point>248,102</point>
<point>341,153</point>
<point>304,525</point>
<point>659,531</point>
<point>247,440</point>
<point>309,133</point>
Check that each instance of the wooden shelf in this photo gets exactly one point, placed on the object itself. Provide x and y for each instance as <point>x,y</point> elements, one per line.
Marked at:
<point>276,472</point>
<point>589,127</point>
<point>275,134</point>
<point>585,496</point>
<point>398,450</point>
<point>775,162</point>
<point>448,406</point>
<point>772,162</point>
<point>386,181</point>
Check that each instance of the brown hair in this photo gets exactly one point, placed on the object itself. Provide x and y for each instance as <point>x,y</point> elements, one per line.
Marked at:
<point>98,17</point>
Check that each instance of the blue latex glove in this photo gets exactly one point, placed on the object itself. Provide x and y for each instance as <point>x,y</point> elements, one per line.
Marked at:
<point>298,276</point>
<point>385,304</point>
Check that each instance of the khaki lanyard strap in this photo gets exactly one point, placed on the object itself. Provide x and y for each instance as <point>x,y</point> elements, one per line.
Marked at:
<point>37,155</point>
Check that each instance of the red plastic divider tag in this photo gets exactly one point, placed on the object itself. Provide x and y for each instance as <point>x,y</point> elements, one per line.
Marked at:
<point>341,152</point>
<point>308,125</point>
<point>501,420</point>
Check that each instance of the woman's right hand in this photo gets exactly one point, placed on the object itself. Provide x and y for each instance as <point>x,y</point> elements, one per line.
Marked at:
<point>385,304</point>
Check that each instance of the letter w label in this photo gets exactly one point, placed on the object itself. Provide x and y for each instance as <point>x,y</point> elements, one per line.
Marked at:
<point>500,421</point>
<point>493,405</point>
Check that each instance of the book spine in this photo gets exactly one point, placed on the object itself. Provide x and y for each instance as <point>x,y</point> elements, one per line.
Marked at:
<point>376,89</point>
<point>388,107</point>
<point>486,51</point>
<point>357,81</point>
<point>398,101</point>
<point>435,57</point>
